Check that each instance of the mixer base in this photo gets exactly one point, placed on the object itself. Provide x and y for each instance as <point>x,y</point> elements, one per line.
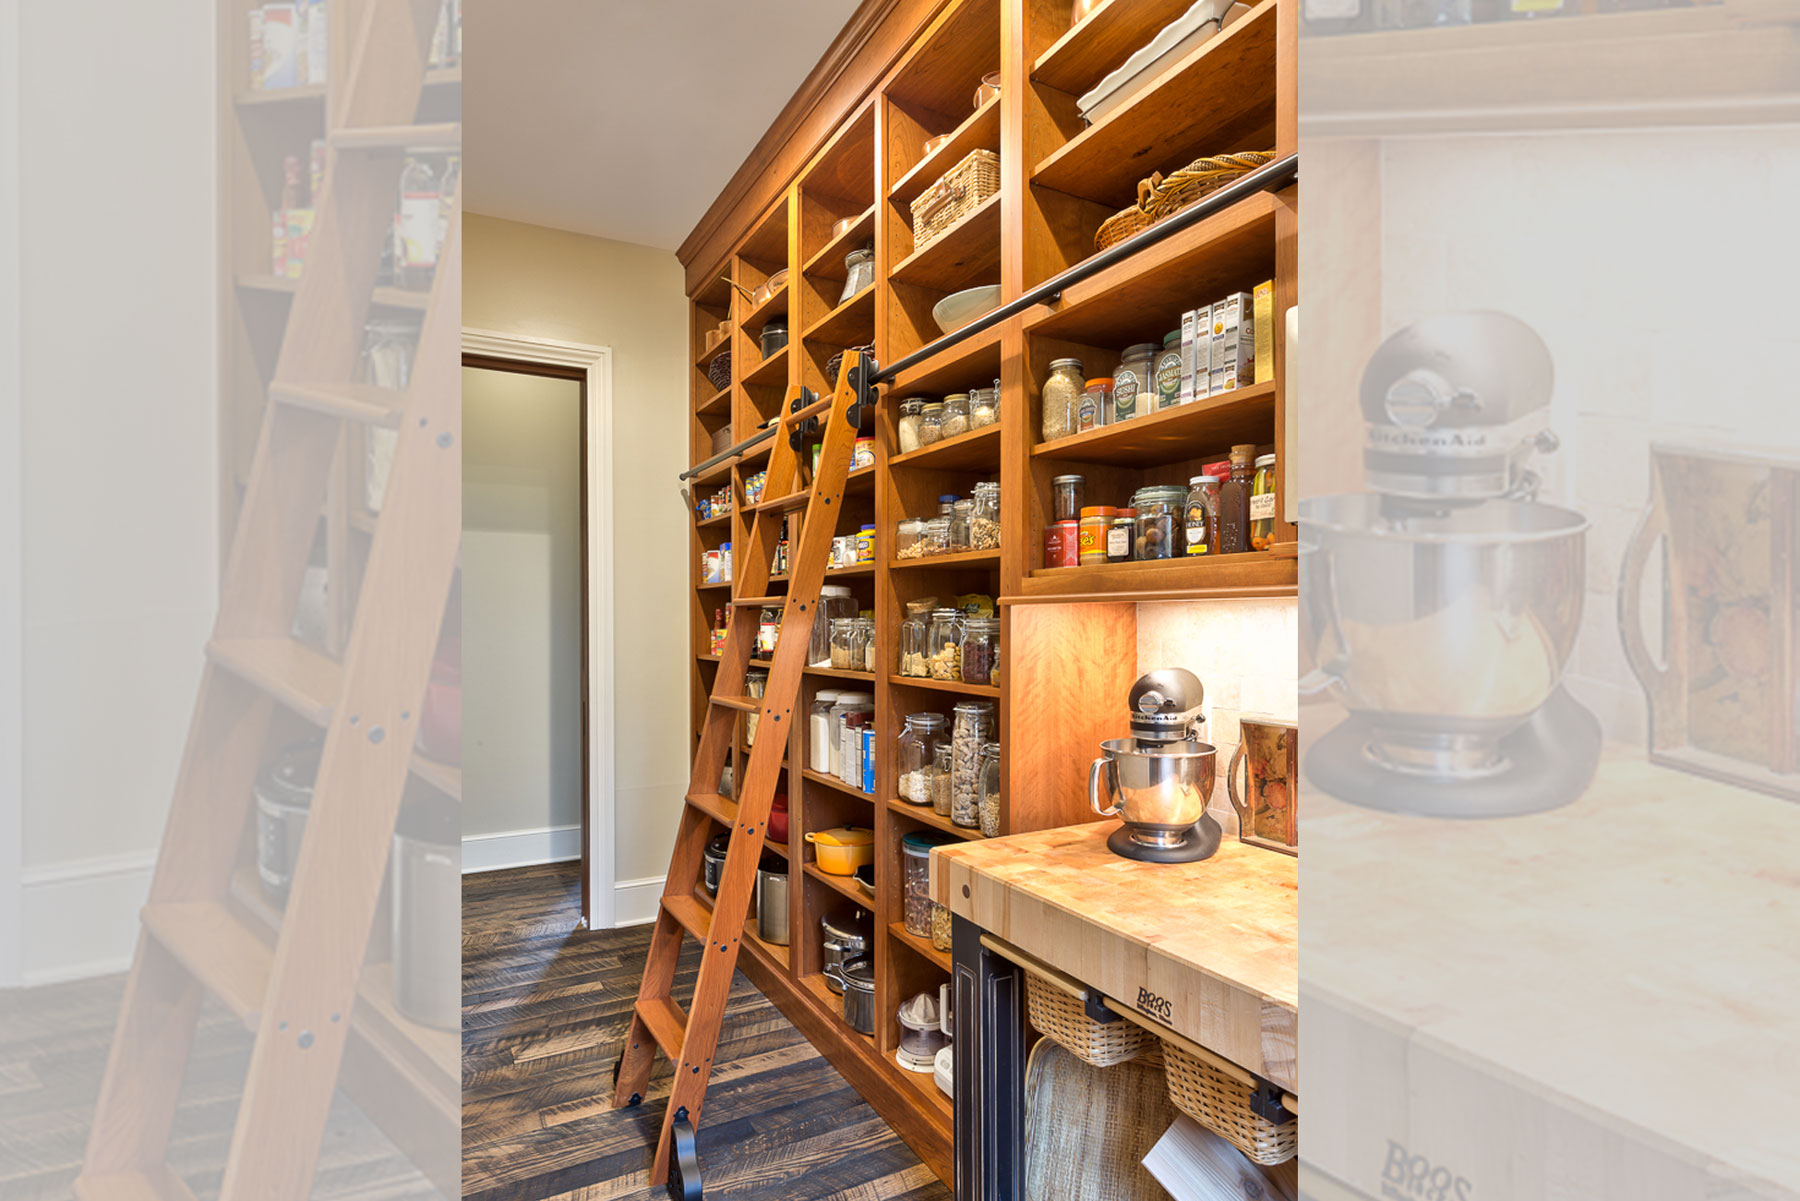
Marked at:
<point>1551,757</point>
<point>1199,843</point>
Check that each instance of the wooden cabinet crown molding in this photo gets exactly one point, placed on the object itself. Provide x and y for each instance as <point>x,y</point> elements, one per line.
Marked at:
<point>870,42</point>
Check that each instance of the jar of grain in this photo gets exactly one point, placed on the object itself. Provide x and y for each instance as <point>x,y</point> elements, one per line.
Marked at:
<point>984,406</point>
<point>931,423</point>
<point>910,411</point>
<point>956,414</point>
<point>842,631</point>
<point>1062,398</point>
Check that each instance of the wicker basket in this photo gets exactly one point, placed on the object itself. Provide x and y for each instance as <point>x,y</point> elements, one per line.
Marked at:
<point>836,363</point>
<point>1160,197</point>
<point>959,193</point>
<point>1221,1103</point>
<point>719,370</point>
<point>1060,1017</point>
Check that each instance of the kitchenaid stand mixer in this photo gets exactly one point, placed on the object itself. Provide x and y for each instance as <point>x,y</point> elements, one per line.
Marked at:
<point>1440,608</point>
<point>1160,779</point>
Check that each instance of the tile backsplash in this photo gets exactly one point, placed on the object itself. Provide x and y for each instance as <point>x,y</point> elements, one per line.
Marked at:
<point>1246,653</point>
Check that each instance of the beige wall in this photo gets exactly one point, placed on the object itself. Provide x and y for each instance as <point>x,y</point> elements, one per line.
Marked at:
<point>521,627</point>
<point>534,282</point>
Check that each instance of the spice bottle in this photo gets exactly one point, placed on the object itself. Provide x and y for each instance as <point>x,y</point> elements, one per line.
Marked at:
<point>1262,504</point>
<point>1062,398</point>
<point>1096,404</point>
<point>1201,517</point>
<point>1234,502</point>
<point>1121,538</point>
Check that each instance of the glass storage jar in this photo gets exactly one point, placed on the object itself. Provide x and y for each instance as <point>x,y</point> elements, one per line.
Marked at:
<point>984,406</point>
<point>1262,504</point>
<point>842,631</point>
<point>834,601</point>
<point>1121,539</point>
<point>755,683</point>
<point>931,423</point>
<point>980,649</point>
<point>913,661</point>
<point>961,511</point>
<point>988,796</point>
<point>1062,398</point>
<point>1159,508</point>
<point>940,778</point>
<point>768,631</point>
<point>1096,404</point>
<point>916,879</point>
<point>818,730</point>
<point>910,411</point>
<point>943,644</point>
<point>906,538</point>
<point>916,755</point>
<point>935,537</point>
<point>1133,385</point>
<point>1168,373</point>
<point>864,642</point>
<point>1067,493</point>
<point>859,272</point>
<point>956,414</point>
<point>984,517</point>
<point>974,729</point>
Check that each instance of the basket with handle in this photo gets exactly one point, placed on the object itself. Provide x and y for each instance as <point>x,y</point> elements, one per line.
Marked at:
<point>1208,1091</point>
<point>1160,196</point>
<point>960,191</point>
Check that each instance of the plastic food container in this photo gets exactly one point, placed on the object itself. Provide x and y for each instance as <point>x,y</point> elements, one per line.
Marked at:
<point>842,850</point>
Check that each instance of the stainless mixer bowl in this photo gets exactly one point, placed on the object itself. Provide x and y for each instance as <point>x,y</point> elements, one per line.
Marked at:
<point>1445,630</point>
<point>1159,791</point>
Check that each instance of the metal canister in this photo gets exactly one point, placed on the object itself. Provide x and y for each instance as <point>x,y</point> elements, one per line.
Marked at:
<point>284,794</point>
<point>772,900</point>
<point>427,875</point>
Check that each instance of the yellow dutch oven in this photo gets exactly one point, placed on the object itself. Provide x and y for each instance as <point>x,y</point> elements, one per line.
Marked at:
<point>843,850</point>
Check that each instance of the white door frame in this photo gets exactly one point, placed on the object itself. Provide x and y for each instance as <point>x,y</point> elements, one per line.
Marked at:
<point>597,900</point>
<point>12,560</point>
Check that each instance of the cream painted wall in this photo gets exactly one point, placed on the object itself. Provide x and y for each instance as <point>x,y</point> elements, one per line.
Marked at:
<point>536,282</point>
<point>521,640</point>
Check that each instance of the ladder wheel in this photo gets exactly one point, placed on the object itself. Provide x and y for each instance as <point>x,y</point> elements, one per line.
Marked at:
<point>684,1162</point>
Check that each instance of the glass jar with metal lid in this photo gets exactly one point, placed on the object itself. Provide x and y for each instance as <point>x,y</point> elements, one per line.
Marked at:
<point>906,538</point>
<point>956,414</point>
<point>980,649</point>
<point>818,730</point>
<point>1262,504</point>
<point>960,514</point>
<point>931,423</point>
<point>940,781</point>
<point>988,790</point>
<point>1067,497</point>
<point>1133,382</point>
<point>935,537</point>
<point>913,659</point>
<point>1159,515</point>
<point>943,644</point>
<point>974,728</point>
<point>1061,398</point>
<point>865,644</point>
<point>842,636</point>
<point>916,755</point>
<point>984,517</point>
<point>910,415</point>
<point>834,601</point>
<point>984,406</point>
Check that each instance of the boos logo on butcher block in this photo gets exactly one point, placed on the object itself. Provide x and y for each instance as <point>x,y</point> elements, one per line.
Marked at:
<point>1160,1008</point>
<point>1409,1177</point>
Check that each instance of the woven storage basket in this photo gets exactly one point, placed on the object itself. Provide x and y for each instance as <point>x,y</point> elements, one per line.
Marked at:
<point>1221,1103</point>
<point>836,362</point>
<point>1160,197</point>
<point>1058,1016</point>
<point>959,193</point>
<point>719,370</point>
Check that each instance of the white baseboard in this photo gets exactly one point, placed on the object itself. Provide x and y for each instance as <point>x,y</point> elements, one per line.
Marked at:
<point>635,901</point>
<point>520,848</point>
<point>81,916</point>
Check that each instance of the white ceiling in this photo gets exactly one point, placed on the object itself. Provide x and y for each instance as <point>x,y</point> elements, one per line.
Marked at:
<point>625,118</point>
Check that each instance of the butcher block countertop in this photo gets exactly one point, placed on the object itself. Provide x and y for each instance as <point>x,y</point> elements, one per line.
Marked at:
<point>1208,949</point>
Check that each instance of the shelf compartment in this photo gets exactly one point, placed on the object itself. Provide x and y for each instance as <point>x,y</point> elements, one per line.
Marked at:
<point>981,131</point>
<point>849,324</point>
<point>775,306</point>
<point>991,691</point>
<point>1099,45</point>
<point>707,356</point>
<point>929,816</point>
<point>829,781</point>
<point>711,522</point>
<point>771,372</point>
<point>1254,573</point>
<point>922,946</point>
<point>1173,435</point>
<point>838,673</point>
<point>718,404</point>
<point>973,362</point>
<point>833,1005</point>
<point>828,263</point>
<point>1219,99</point>
<point>967,558</point>
<point>843,885</point>
<point>925,1083</point>
<point>1131,300</point>
<point>967,254</point>
<point>303,95</point>
<point>971,449</point>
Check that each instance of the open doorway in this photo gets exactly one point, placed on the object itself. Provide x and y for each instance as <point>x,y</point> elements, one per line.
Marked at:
<point>537,606</point>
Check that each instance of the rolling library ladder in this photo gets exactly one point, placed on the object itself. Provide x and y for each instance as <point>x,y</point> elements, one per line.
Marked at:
<point>689,1037</point>
<point>301,997</point>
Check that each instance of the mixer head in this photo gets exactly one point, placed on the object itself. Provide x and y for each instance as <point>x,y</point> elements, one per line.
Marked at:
<point>1165,706</point>
<point>1456,405</point>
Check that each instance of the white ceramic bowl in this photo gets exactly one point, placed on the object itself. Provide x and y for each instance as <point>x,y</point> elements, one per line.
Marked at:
<point>959,308</point>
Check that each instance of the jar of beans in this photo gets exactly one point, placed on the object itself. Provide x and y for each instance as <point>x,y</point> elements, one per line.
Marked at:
<point>980,649</point>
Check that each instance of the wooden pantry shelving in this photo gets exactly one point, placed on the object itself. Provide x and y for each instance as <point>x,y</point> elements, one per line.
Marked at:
<point>1069,636</point>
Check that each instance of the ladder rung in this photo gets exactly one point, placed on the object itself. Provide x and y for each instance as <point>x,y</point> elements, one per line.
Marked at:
<point>788,503</point>
<point>743,704</point>
<point>720,808</point>
<point>694,917</point>
<point>295,674</point>
<point>217,950</point>
<point>446,136</point>
<point>148,1185</point>
<point>667,1024</point>
<point>354,402</point>
<point>759,602</point>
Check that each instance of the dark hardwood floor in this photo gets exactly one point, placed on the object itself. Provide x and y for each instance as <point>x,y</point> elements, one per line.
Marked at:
<point>53,1046</point>
<point>544,1010</point>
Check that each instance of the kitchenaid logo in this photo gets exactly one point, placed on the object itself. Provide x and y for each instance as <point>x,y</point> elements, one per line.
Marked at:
<point>1160,1008</point>
<point>1409,1177</point>
<point>1467,438</point>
